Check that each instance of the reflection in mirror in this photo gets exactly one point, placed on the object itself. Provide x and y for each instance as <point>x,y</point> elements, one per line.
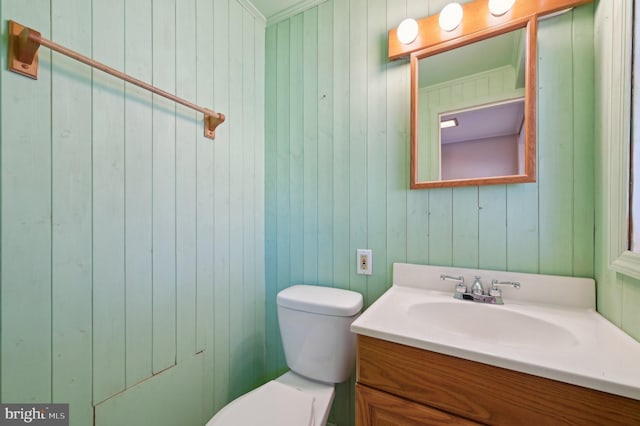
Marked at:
<point>483,141</point>
<point>483,87</point>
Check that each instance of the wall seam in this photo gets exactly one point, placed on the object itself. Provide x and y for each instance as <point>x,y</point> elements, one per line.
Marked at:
<point>175,186</point>
<point>51,225</point>
<point>151,221</point>
<point>124,172</point>
<point>1,239</point>
<point>93,373</point>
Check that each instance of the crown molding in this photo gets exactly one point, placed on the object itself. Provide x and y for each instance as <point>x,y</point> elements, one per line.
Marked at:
<point>293,10</point>
<point>249,6</point>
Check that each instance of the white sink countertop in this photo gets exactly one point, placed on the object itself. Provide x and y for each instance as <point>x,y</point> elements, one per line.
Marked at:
<point>548,327</point>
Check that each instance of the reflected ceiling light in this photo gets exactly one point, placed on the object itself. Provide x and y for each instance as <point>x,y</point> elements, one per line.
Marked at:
<point>450,16</point>
<point>449,123</point>
<point>500,7</point>
<point>407,31</point>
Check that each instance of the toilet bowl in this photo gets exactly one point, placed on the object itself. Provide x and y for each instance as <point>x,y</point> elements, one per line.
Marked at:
<point>289,400</point>
<point>320,351</point>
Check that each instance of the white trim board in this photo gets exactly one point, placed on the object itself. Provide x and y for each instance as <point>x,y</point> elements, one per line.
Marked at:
<point>251,8</point>
<point>293,10</point>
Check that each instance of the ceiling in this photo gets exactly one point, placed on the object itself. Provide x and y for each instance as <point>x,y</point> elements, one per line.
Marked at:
<point>490,121</point>
<point>492,53</point>
<point>270,7</point>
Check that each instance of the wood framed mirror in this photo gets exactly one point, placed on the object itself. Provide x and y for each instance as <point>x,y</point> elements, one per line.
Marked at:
<point>485,83</point>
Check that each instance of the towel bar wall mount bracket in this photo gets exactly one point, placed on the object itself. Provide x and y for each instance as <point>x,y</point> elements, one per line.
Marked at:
<point>24,43</point>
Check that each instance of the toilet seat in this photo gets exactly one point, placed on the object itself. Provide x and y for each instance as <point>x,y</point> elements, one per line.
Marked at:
<point>273,403</point>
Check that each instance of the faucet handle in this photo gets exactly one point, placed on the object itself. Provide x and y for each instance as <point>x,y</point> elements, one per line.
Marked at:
<point>495,291</point>
<point>514,284</point>
<point>460,285</point>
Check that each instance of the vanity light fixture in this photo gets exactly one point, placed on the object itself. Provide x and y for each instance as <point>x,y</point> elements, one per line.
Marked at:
<point>500,7</point>
<point>450,16</point>
<point>408,31</point>
<point>449,123</point>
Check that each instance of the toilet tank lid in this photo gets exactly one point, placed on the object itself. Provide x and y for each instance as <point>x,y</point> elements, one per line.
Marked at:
<point>321,300</point>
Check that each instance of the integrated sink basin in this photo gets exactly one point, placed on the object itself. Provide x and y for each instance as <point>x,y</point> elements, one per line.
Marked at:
<point>491,323</point>
<point>548,327</point>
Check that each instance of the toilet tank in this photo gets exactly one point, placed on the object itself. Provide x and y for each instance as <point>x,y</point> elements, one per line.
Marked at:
<point>314,327</point>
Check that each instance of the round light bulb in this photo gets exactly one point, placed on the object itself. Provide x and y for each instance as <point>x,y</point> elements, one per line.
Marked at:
<point>500,7</point>
<point>450,16</point>
<point>407,31</point>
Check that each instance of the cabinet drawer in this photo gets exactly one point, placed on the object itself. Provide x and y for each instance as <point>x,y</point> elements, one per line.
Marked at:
<point>484,393</point>
<point>375,408</point>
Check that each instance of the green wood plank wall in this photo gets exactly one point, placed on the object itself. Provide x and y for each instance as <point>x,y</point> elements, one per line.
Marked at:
<point>618,295</point>
<point>138,195</point>
<point>164,188</point>
<point>26,215</point>
<point>336,97</point>
<point>132,248</point>
<point>71,233</point>
<point>186,192</point>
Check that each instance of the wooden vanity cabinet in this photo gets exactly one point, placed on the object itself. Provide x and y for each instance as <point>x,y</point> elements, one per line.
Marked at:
<point>402,385</point>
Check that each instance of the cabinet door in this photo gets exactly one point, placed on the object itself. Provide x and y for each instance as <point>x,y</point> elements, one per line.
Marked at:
<point>376,408</point>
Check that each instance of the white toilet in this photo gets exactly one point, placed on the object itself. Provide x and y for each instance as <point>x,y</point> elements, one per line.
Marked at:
<point>320,351</point>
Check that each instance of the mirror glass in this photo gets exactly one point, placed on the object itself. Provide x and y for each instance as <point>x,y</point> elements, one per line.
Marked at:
<point>486,140</point>
<point>470,117</point>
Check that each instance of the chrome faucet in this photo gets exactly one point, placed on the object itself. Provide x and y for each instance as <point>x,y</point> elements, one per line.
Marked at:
<point>493,296</point>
